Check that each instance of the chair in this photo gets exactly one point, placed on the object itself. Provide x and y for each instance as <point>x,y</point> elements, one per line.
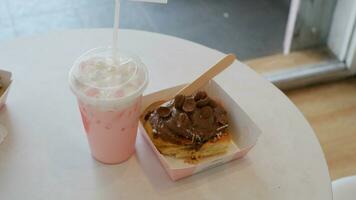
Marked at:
<point>344,188</point>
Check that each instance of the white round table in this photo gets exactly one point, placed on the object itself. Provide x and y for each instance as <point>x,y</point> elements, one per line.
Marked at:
<point>46,155</point>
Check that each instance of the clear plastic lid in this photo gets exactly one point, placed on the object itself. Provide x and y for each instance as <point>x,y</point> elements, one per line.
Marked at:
<point>97,77</point>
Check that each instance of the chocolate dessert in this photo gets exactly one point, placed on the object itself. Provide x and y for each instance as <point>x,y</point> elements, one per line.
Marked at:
<point>185,124</point>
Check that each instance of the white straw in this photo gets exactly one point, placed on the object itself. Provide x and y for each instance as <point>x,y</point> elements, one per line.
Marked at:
<point>116,32</point>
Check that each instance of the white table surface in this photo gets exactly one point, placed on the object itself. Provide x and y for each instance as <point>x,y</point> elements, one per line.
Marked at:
<point>46,155</point>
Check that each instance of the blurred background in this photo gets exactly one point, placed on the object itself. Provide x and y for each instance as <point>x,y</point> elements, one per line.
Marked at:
<point>249,28</point>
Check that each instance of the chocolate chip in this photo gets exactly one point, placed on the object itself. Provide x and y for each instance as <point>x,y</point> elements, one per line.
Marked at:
<point>222,119</point>
<point>189,105</point>
<point>200,95</point>
<point>164,111</point>
<point>219,110</point>
<point>212,103</point>
<point>220,115</point>
<point>183,120</point>
<point>203,102</point>
<point>206,112</point>
<point>179,101</point>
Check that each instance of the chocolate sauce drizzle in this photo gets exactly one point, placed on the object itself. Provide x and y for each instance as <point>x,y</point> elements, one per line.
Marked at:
<point>189,120</point>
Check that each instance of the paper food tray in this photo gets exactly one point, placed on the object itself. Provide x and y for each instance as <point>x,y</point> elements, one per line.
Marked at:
<point>243,130</point>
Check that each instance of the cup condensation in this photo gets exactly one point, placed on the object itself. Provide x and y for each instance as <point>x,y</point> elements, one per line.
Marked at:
<point>109,95</point>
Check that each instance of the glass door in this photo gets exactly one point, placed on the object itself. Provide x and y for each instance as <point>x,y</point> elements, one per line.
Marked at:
<point>325,26</point>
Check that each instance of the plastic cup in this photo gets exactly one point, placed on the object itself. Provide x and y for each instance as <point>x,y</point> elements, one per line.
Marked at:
<point>109,96</point>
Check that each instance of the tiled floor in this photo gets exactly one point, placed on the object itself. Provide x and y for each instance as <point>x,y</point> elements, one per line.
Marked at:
<point>249,28</point>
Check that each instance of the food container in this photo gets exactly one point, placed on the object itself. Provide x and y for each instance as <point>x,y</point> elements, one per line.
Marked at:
<point>6,83</point>
<point>242,128</point>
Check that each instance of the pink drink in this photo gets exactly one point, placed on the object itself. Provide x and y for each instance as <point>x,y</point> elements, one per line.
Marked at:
<point>109,97</point>
<point>111,134</point>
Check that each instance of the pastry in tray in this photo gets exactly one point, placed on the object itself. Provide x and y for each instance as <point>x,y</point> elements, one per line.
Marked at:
<point>2,87</point>
<point>188,127</point>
